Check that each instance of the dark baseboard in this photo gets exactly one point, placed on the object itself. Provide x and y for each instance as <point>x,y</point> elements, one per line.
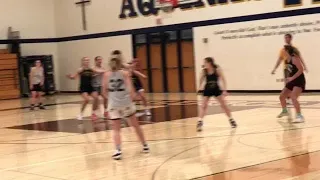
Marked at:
<point>69,92</point>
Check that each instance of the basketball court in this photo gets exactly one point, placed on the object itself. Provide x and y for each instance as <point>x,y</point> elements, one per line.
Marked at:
<point>166,48</point>
<point>52,144</point>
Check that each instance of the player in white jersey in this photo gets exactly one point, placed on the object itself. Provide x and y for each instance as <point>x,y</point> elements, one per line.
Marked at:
<point>96,84</point>
<point>117,86</point>
<point>36,78</point>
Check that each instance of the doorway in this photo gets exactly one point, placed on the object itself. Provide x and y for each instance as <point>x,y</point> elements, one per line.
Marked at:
<point>167,59</point>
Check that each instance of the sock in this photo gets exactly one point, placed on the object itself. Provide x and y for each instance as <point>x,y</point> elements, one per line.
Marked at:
<point>199,119</point>
<point>299,114</point>
<point>284,110</point>
<point>145,145</point>
<point>118,147</point>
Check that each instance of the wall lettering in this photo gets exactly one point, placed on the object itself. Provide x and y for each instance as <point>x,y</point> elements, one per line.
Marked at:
<point>147,7</point>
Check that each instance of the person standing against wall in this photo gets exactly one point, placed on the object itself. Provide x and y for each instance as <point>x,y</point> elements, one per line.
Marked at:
<point>36,78</point>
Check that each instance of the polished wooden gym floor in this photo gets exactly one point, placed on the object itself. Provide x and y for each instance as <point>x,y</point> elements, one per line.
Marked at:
<point>51,144</point>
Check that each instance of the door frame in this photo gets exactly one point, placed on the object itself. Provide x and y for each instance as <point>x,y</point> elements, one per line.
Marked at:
<point>163,41</point>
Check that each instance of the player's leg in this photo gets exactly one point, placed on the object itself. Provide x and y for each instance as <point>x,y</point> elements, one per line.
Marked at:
<point>130,114</point>
<point>116,116</point>
<point>226,109</point>
<point>286,74</point>
<point>40,94</point>
<point>33,99</point>
<point>95,105</point>
<point>203,111</point>
<point>144,101</point>
<point>85,97</point>
<point>296,92</point>
<point>135,124</point>
<point>105,105</point>
<point>285,93</point>
<point>116,124</point>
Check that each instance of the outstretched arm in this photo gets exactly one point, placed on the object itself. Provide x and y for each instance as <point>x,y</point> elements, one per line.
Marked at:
<point>74,76</point>
<point>278,61</point>
<point>139,74</point>
<point>276,66</point>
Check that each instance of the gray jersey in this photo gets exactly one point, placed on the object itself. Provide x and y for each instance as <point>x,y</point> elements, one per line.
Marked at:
<point>118,95</point>
<point>97,79</point>
<point>37,75</point>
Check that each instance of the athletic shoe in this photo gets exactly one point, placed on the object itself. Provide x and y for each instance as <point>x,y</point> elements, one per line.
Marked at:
<point>80,117</point>
<point>147,112</point>
<point>282,114</point>
<point>42,107</point>
<point>117,155</point>
<point>199,126</point>
<point>31,108</point>
<point>233,123</point>
<point>146,149</point>
<point>299,119</point>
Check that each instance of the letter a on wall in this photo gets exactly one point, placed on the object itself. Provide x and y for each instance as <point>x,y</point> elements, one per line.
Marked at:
<point>127,5</point>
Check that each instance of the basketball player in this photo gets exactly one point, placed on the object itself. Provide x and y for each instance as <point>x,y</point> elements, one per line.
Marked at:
<point>295,83</point>
<point>117,86</point>
<point>212,73</point>
<point>138,85</point>
<point>36,78</point>
<point>96,84</point>
<point>283,56</point>
<point>86,76</point>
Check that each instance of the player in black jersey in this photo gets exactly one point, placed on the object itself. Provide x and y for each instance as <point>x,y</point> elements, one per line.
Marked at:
<point>86,74</point>
<point>295,84</point>
<point>212,73</point>
<point>137,84</point>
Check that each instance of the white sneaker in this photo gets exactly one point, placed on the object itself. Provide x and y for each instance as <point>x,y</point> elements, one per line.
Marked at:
<point>199,126</point>
<point>146,149</point>
<point>80,117</point>
<point>147,112</point>
<point>117,155</point>
<point>299,119</point>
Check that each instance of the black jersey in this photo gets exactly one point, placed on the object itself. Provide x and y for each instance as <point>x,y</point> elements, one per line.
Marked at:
<point>292,69</point>
<point>86,77</point>
<point>212,83</point>
<point>136,82</point>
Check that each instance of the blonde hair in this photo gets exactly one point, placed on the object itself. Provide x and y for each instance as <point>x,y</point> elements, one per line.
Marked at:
<point>115,64</point>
